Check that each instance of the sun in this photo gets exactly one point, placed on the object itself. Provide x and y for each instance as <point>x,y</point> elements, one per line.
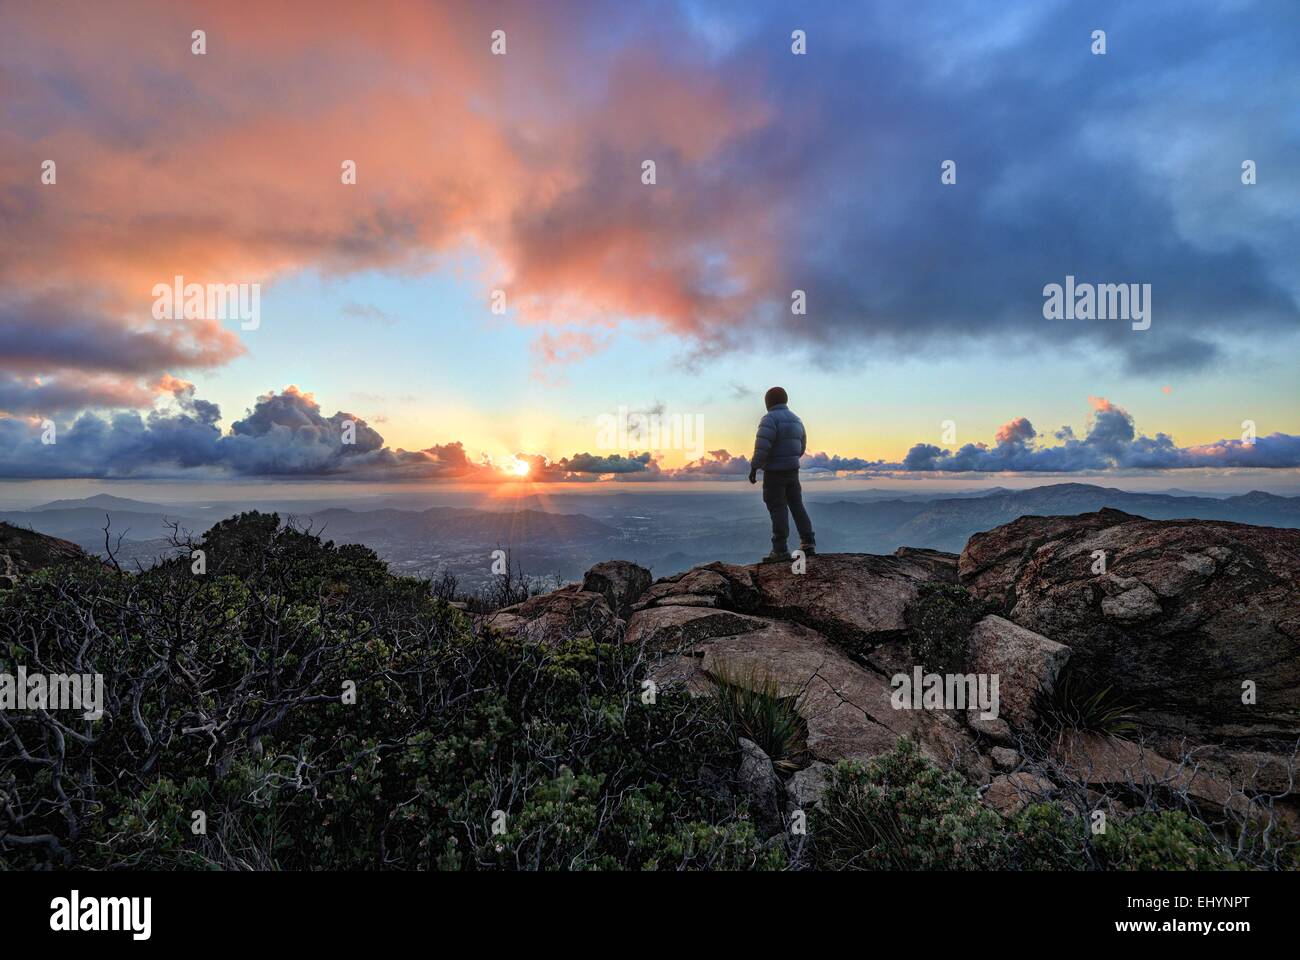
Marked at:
<point>521,468</point>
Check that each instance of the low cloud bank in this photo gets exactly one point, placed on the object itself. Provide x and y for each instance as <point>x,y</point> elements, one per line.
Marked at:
<point>287,435</point>
<point>1111,443</point>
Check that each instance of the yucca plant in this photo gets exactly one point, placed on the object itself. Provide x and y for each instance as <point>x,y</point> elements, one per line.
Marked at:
<point>1076,704</point>
<point>752,706</point>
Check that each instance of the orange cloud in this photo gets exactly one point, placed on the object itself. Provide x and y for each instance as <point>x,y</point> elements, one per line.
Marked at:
<point>225,168</point>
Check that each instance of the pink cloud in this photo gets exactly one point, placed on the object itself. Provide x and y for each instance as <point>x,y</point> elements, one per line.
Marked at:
<point>225,168</point>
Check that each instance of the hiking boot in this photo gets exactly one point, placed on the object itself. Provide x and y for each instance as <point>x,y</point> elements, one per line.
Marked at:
<point>809,549</point>
<point>776,556</point>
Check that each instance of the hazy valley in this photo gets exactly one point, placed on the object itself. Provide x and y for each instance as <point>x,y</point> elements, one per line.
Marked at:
<point>560,536</point>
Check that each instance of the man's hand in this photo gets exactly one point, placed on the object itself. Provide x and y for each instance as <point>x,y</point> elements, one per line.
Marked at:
<point>753,474</point>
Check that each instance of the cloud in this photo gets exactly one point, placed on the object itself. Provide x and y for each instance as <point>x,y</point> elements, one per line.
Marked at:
<point>1019,430</point>
<point>64,392</point>
<point>774,172</point>
<point>616,463</point>
<point>51,332</point>
<point>716,465</point>
<point>283,434</point>
<point>566,346</point>
<point>286,434</point>
<point>1112,442</point>
<point>367,313</point>
<point>834,463</point>
<point>63,353</point>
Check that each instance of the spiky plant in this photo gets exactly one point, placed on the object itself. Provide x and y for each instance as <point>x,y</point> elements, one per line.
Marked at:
<point>1074,703</point>
<point>753,707</point>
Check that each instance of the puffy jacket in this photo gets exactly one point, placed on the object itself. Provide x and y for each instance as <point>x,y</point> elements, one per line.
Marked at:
<point>780,442</point>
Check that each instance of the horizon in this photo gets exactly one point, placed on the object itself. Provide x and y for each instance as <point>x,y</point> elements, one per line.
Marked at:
<point>254,491</point>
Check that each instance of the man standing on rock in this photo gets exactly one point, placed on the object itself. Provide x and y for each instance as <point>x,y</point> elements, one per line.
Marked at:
<point>780,443</point>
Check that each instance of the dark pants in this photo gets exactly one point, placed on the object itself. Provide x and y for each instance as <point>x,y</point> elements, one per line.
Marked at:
<point>781,492</point>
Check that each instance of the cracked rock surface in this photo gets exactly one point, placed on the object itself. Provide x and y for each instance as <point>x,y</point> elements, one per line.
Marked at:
<point>1185,612</point>
<point>802,632</point>
<point>1176,618</point>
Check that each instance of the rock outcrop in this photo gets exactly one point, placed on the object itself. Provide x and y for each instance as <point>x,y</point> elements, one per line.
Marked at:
<point>1176,615</point>
<point>25,551</point>
<point>1184,617</point>
<point>759,784</point>
<point>568,612</point>
<point>811,633</point>
<point>594,608</point>
<point>621,583</point>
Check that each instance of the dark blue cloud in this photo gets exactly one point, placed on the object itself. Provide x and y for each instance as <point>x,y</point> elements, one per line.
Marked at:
<point>283,435</point>
<point>616,463</point>
<point>1067,164</point>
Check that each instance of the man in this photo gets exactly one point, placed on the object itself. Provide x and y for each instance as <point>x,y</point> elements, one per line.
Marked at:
<point>780,443</point>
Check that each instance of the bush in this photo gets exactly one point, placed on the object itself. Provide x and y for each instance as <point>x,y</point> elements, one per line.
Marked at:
<point>1045,836</point>
<point>939,622</point>
<point>1164,840</point>
<point>902,812</point>
<point>225,695</point>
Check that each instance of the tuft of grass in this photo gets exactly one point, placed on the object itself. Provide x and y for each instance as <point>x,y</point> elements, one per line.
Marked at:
<point>1076,704</point>
<point>752,706</point>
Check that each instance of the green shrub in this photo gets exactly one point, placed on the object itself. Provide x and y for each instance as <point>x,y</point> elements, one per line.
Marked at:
<point>1164,840</point>
<point>939,622</point>
<point>1046,836</point>
<point>902,812</point>
<point>224,695</point>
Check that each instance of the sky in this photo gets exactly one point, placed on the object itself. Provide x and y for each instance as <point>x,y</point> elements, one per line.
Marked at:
<point>863,203</point>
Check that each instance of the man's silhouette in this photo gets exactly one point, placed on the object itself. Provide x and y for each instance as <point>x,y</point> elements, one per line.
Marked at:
<point>778,446</point>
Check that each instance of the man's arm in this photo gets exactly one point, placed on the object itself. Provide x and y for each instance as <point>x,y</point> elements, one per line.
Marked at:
<point>762,446</point>
<point>803,439</point>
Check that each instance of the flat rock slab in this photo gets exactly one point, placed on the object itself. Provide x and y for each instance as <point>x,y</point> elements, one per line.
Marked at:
<point>1109,762</point>
<point>673,626</point>
<point>846,706</point>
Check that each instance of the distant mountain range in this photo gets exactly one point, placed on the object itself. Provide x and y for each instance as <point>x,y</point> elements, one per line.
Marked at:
<point>666,531</point>
<point>100,501</point>
<point>881,526</point>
